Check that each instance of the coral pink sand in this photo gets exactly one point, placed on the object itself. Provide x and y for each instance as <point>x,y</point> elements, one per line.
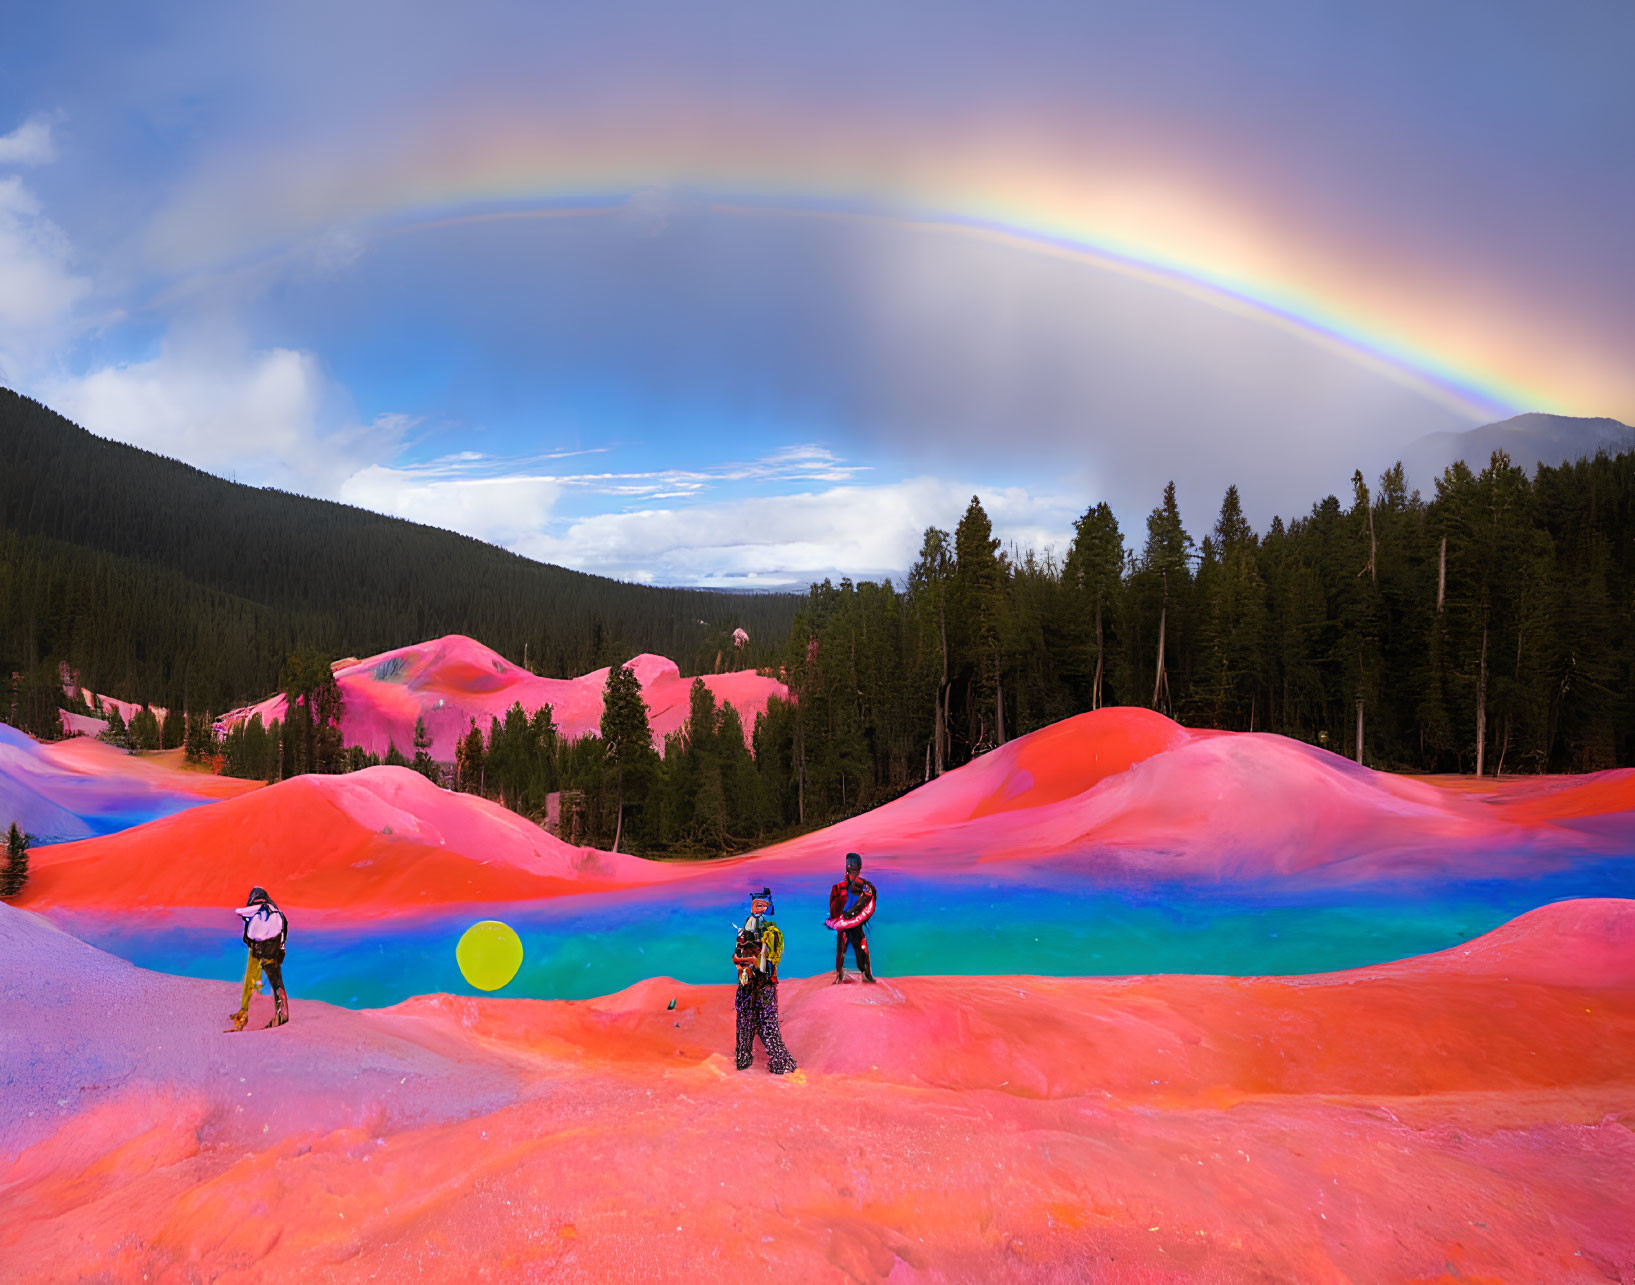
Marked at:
<point>1468,1115</point>
<point>381,839</point>
<point>451,680</point>
<point>1142,794</point>
<point>1124,790</point>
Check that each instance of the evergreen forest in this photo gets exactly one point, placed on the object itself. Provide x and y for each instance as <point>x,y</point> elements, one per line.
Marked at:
<point>1488,627</point>
<point>174,588</point>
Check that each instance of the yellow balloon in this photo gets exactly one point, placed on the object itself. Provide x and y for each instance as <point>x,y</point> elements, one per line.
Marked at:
<point>489,954</point>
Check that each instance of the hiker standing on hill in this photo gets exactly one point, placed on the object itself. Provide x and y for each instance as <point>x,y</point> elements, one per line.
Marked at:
<point>265,932</point>
<point>755,955</point>
<point>851,903</point>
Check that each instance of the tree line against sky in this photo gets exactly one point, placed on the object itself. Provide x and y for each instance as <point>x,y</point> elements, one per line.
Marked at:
<point>167,586</point>
<point>1489,627</point>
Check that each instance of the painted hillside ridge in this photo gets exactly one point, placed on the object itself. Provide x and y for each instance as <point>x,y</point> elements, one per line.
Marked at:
<point>1126,791</point>
<point>80,787</point>
<point>100,705</point>
<point>380,841</point>
<point>452,680</point>
<point>1105,796</point>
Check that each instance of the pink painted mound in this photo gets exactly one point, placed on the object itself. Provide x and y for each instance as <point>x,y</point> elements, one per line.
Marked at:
<point>1375,1125</point>
<point>1588,942</point>
<point>376,842</point>
<point>127,709</point>
<point>80,787</point>
<point>81,724</point>
<point>452,680</point>
<point>1134,793</point>
<point>1040,772</point>
<point>92,725</point>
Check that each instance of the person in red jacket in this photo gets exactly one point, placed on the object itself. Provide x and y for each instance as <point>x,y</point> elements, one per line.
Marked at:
<point>851,902</point>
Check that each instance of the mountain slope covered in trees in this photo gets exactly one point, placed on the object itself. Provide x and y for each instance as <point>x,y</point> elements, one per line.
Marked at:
<point>165,584</point>
<point>1487,626</point>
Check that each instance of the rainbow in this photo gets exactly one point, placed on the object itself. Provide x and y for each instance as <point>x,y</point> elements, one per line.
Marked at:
<point>1174,241</point>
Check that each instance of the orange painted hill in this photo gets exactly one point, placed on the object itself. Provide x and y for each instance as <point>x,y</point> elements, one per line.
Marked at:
<point>1124,791</point>
<point>1142,795</point>
<point>374,841</point>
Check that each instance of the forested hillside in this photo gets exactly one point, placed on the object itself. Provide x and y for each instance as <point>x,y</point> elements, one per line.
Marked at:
<point>1490,626</point>
<point>164,584</point>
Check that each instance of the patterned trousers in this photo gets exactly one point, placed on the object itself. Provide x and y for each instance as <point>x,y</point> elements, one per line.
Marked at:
<point>758,1015</point>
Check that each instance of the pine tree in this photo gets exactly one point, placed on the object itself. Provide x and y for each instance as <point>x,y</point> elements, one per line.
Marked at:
<point>470,762</point>
<point>199,744</point>
<point>423,761</point>
<point>1167,558</point>
<point>625,730</point>
<point>116,733</point>
<point>16,872</point>
<point>544,760</point>
<point>144,730</point>
<point>979,597</point>
<point>1095,562</point>
<point>928,588</point>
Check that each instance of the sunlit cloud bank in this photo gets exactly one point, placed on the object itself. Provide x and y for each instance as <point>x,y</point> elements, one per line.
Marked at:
<point>716,296</point>
<point>271,418</point>
<point>791,540</point>
<point>707,527</point>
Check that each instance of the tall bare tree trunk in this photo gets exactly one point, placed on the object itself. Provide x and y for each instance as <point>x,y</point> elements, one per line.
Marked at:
<point>1095,688</point>
<point>946,743</point>
<point>1159,683</point>
<point>1442,575</point>
<point>998,698</point>
<point>1359,728</point>
<point>1481,702</point>
<point>941,730</point>
<point>618,826</point>
<point>800,766</point>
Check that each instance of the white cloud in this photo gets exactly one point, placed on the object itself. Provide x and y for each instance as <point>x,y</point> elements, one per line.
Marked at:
<point>39,290</point>
<point>268,416</point>
<point>497,509</point>
<point>862,531</point>
<point>28,144</point>
<point>487,497</point>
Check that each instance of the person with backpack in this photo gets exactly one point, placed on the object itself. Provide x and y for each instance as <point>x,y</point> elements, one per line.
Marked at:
<point>851,903</point>
<point>755,955</point>
<point>266,931</point>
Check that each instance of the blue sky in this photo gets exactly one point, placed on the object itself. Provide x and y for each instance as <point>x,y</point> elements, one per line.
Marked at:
<point>745,334</point>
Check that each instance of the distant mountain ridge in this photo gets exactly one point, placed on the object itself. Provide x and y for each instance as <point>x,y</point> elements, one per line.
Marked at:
<point>169,585</point>
<point>1530,440</point>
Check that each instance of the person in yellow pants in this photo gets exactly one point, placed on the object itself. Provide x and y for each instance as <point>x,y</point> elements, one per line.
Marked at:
<point>266,931</point>
<point>252,983</point>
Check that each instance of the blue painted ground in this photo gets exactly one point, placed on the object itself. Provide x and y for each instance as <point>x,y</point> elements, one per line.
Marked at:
<point>577,947</point>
